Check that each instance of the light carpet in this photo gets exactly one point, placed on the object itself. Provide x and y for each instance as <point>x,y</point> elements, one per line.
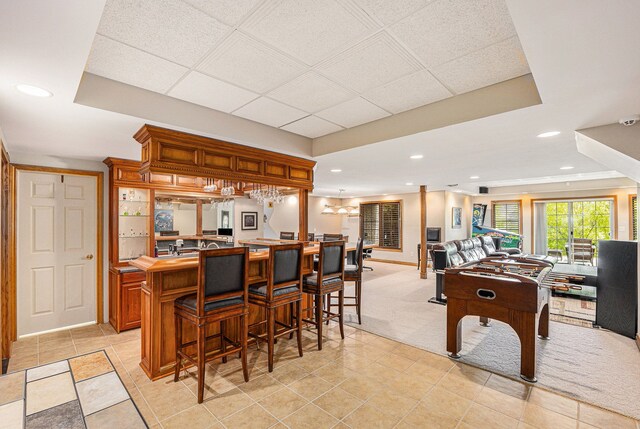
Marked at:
<point>592,365</point>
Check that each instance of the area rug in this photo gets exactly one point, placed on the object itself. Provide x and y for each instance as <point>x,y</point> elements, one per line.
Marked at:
<point>593,365</point>
<point>83,391</point>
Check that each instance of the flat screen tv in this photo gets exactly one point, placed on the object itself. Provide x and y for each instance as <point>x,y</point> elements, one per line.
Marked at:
<point>225,231</point>
<point>433,234</point>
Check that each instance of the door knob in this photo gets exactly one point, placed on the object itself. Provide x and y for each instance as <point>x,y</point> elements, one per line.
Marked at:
<point>89,257</point>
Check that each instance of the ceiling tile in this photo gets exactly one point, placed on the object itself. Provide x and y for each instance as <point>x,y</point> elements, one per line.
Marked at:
<point>309,30</point>
<point>123,63</point>
<point>270,112</point>
<point>312,127</point>
<point>408,92</point>
<point>372,63</point>
<point>353,112</point>
<point>447,29</point>
<point>311,92</point>
<point>228,11</point>
<point>209,92</point>
<point>170,29</point>
<point>250,64</point>
<point>497,63</point>
<point>389,12</point>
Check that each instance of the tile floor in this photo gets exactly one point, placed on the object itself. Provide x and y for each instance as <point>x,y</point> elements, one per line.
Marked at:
<point>65,395</point>
<point>364,381</point>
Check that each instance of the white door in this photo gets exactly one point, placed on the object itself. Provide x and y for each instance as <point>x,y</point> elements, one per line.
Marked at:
<point>56,247</point>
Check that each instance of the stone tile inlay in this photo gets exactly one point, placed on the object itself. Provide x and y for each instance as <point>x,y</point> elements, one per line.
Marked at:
<point>101,392</point>
<point>67,415</point>
<point>88,366</point>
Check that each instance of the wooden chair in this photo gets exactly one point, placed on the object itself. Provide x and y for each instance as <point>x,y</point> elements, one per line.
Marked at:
<point>283,288</point>
<point>353,273</point>
<point>287,235</point>
<point>223,278</point>
<point>332,237</point>
<point>328,279</point>
<point>311,236</point>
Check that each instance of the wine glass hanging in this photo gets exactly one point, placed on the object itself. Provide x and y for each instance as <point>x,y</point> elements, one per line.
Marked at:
<point>210,185</point>
<point>262,193</point>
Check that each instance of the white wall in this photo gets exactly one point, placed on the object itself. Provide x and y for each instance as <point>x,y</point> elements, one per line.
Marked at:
<point>451,200</point>
<point>284,217</point>
<point>246,205</point>
<point>79,164</point>
<point>622,206</point>
<point>184,218</point>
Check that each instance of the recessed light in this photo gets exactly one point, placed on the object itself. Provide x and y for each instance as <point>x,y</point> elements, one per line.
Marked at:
<point>457,190</point>
<point>385,194</point>
<point>474,177</point>
<point>409,183</point>
<point>566,167</point>
<point>335,170</point>
<point>549,134</point>
<point>33,90</point>
<point>416,156</point>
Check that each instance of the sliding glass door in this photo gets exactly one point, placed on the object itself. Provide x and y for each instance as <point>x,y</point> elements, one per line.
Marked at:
<point>571,227</point>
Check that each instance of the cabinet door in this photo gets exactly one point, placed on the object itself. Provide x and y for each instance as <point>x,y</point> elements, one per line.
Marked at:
<point>130,306</point>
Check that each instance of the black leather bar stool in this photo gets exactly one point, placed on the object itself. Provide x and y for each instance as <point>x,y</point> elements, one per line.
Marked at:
<point>223,278</point>
<point>332,237</point>
<point>287,235</point>
<point>353,273</point>
<point>328,278</point>
<point>283,288</point>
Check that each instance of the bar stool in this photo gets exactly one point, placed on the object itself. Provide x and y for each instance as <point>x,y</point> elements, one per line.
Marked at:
<point>287,235</point>
<point>282,288</point>
<point>329,278</point>
<point>353,273</point>
<point>223,276</point>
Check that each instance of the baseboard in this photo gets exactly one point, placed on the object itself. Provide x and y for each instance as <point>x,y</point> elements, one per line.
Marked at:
<point>638,340</point>
<point>391,261</point>
<point>64,328</point>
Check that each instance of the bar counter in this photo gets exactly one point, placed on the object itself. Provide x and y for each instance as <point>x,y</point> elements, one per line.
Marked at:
<point>168,278</point>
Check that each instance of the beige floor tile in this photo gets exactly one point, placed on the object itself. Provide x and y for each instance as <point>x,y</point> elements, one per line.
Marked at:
<point>335,373</point>
<point>54,344</point>
<point>392,403</point>
<point>546,419</point>
<point>123,414</point>
<point>11,387</point>
<point>422,417</point>
<point>338,403</point>
<point>310,417</point>
<point>91,331</point>
<point>197,417</point>
<point>100,392</point>
<point>253,417</point>
<point>28,342</point>
<point>361,387</point>
<point>461,385</point>
<point>19,364</point>
<point>509,387</point>
<point>214,383</point>
<point>396,362</point>
<point>604,419</point>
<point>426,371</point>
<point>283,402</point>
<point>369,417</point>
<point>311,387</point>
<point>49,392</point>
<point>412,386</point>
<point>379,372</point>
<point>12,415</point>
<point>52,336</point>
<point>24,351</point>
<point>436,361</point>
<point>48,356</point>
<point>582,425</point>
<point>143,407</point>
<point>107,329</point>
<point>551,401</point>
<point>261,387</point>
<point>445,402</point>
<point>409,352</point>
<point>92,344</point>
<point>165,401</point>
<point>228,403</point>
<point>287,374</point>
<point>48,370</point>
<point>498,401</point>
<point>478,416</point>
<point>88,366</point>
<point>469,372</point>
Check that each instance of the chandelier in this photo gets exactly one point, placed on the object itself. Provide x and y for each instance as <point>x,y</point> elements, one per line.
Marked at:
<point>266,193</point>
<point>340,210</point>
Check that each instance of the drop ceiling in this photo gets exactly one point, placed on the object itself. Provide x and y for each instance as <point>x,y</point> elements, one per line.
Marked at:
<point>309,67</point>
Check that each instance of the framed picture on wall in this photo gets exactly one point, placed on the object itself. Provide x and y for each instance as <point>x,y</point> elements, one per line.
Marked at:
<point>456,217</point>
<point>249,220</point>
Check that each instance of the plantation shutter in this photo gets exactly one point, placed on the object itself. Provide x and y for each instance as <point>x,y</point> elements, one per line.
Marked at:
<point>506,216</point>
<point>390,229</point>
<point>369,223</point>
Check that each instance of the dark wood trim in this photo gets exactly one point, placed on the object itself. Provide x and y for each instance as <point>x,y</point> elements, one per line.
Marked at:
<point>99,175</point>
<point>391,261</point>
<point>5,253</point>
<point>493,203</point>
<point>423,232</point>
<point>303,214</point>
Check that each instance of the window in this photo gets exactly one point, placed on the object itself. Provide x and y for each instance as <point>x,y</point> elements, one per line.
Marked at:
<point>381,225</point>
<point>634,217</point>
<point>505,215</point>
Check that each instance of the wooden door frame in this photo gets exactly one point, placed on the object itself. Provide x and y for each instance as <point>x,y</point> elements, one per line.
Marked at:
<point>99,175</point>
<point>5,254</point>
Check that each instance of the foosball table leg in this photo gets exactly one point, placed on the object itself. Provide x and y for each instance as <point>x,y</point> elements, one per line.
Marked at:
<point>484,321</point>
<point>525,326</point>
<point>543,323</point>
<point>455,313</point>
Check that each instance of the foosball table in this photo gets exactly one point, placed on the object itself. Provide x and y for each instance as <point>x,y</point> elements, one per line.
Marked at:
<point>515,291</point>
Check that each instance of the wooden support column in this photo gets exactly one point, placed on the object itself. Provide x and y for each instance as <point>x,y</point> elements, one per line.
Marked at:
<point>423,231</point>
<point>303,215</point>
<point>199,217</point>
